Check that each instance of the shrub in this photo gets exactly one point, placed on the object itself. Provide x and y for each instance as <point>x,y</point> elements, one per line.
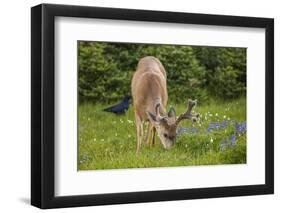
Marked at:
<point>106,69</point>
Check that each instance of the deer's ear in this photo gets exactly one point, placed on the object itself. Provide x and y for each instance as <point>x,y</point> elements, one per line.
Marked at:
<point>172,112</point>
<point>151,116</point>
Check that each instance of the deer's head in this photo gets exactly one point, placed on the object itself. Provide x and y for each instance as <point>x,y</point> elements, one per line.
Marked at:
<point>166,125</point>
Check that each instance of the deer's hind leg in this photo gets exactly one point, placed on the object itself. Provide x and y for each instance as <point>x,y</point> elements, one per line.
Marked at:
<point>139,131</point>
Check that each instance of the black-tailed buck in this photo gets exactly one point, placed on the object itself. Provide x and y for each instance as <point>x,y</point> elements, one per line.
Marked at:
<point>149,91</point>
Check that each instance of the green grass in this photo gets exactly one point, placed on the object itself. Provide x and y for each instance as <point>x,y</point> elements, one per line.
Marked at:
<point>108,141</point>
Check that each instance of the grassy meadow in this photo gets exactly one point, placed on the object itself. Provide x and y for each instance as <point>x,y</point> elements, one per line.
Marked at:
<point>108,141</point>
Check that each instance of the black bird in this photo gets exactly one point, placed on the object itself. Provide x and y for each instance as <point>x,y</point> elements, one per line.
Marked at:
<point>121,107</point>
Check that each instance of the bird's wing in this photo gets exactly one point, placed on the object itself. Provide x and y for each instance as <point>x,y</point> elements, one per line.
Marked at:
<point>115,108</point>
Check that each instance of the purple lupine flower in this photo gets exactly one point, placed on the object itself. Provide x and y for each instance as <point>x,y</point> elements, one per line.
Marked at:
<point>213,125</point>
<point>222,146</point>
<point>182,130</point>
<point>194,130</point>
<point>224,124</point>
<point>241,128</point>
<point>217,125</point>
<point>233,140</point>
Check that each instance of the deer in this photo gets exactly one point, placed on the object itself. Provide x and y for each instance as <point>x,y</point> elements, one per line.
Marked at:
<point>150,97</point>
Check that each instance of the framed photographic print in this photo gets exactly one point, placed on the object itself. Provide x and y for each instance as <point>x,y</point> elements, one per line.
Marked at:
<point>139,106</point>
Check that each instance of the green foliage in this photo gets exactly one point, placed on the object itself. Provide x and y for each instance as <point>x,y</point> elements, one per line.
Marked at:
<point>100,78</point>
<point>106,69</point>
<point>185,76</point>
<point>224,83</point>
<point>226,70</point>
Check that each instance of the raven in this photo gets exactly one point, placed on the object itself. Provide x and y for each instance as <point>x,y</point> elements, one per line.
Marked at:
<point>121,107</point>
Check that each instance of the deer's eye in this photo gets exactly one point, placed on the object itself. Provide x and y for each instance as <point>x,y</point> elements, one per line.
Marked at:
<point>165,135</point>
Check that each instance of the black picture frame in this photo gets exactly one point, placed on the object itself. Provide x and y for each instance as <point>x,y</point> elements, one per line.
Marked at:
<point>43,105</point>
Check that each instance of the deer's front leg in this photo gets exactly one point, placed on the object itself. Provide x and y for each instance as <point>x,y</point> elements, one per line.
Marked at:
<point>153,135</point>
<point>148,129</point>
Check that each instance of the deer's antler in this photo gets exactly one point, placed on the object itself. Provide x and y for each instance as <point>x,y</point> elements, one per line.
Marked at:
<point>188,114</point>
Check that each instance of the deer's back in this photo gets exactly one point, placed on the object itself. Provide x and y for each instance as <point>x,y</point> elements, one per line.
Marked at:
<point>149,85</point>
